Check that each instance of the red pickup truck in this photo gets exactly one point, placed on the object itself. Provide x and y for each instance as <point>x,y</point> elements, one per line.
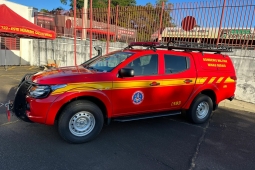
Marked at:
<point>131,84</point>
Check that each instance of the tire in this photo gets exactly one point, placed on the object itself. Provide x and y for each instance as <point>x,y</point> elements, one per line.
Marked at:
<point>200,109</point>
<point>80,122</point>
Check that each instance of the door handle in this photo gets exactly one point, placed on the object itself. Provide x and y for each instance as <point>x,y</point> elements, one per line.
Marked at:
<point>154,83</point>
<point>187,81</point>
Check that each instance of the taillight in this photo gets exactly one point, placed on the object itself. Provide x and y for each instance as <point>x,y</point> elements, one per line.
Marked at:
<point>233,78</point>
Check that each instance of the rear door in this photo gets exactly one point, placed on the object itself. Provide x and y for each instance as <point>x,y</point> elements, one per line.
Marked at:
<point>178,80</point>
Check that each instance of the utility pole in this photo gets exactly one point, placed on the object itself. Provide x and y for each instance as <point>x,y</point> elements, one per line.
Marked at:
<point>85,16</point>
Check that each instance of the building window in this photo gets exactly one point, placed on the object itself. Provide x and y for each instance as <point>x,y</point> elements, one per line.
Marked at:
<point>10,43</point>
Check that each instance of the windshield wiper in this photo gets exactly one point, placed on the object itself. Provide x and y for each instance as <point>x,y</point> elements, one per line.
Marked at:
<point>95,69</point>
<point>91,68</point>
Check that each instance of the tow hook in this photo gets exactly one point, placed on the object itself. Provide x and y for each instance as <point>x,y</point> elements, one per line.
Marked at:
<point>231,98</point>
<point>9,105</point>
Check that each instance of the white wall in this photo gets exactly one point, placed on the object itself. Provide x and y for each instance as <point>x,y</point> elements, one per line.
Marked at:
<point>244,62</point>
<point>10,57</point>
<point>62,49</point>
<point>25,47</point>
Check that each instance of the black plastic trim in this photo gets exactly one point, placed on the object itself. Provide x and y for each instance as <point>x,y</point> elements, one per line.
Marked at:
<point>145,116</point>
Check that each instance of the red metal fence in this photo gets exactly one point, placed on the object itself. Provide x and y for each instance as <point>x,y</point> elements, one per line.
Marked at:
<point>228,22</point>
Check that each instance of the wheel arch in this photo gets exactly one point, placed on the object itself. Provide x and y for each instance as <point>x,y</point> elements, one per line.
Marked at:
<point>95,96</point>
<point>93,99</point>
<point>210,92</point>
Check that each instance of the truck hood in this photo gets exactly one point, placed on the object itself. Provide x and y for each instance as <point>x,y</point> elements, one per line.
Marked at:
<point>64,75</point>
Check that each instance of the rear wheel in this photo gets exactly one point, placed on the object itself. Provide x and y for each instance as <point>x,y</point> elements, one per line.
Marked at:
<point>81,121</point>
<point>201,109</point>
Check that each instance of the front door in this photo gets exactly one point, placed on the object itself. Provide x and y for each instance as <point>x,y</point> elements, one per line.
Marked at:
<point>137,94</point>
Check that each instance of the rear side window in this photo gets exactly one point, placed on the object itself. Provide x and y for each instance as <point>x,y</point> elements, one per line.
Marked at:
<point>176,64</point>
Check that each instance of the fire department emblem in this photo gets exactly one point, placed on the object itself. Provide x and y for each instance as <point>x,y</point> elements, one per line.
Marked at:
<point>138,97</point>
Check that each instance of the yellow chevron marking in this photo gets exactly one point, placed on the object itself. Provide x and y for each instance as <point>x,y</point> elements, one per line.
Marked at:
<point>229,80</point>
<point>219,80</point>
<point>212,80</point>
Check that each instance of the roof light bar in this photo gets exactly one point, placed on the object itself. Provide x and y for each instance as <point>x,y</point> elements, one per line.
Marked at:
<point>144,44</point>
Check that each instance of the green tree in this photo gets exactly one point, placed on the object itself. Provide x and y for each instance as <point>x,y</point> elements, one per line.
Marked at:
<point>144,19</point>
<point>44,10</point>
<point>149,4</point>
<point>57,11</point>
<point>159,2</point>
<point>99,3</point>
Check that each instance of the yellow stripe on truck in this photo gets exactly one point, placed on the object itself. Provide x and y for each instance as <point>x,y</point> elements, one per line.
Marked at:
<point>173,82</point>
<point>130,84</point>
<point>83,87</point>
<point>146,83</point>
<point>201,80</point>
<point>77,87</point>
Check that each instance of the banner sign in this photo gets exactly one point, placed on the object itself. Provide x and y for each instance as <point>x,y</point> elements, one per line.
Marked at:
<point>197,32</point>
<point>25,31</point>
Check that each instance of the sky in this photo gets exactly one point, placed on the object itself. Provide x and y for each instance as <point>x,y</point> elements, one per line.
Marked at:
<point>203,15</point>
<point>51,4</point>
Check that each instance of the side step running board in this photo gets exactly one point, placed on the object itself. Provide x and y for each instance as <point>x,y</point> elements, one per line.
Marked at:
<point>140,117</point>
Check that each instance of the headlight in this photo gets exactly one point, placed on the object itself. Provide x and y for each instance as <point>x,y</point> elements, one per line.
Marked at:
<point>39,92</point>
<point>43,91</point>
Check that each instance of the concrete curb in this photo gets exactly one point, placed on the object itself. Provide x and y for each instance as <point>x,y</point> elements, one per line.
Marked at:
<point>238,105</point>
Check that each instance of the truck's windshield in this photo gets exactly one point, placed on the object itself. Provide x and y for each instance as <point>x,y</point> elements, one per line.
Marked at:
<point>108,62</point>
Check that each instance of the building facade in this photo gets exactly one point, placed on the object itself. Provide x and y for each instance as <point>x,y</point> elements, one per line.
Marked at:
<point>16,51</point>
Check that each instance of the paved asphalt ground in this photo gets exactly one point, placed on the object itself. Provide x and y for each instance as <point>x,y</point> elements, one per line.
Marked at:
<point>227,141</point>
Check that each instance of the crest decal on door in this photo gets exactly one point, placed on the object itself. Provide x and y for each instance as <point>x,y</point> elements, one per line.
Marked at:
<point>138,97</point>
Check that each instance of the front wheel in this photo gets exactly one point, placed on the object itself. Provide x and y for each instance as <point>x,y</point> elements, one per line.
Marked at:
<point>201,109</point>
<point>80,121</point>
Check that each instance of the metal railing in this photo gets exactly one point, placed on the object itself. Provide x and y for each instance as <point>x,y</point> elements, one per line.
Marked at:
<point>217,22</point>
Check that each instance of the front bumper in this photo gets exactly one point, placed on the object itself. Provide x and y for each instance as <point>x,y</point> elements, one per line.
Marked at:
<point>30,109</point>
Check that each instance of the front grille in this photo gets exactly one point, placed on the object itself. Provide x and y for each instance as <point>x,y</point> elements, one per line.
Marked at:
<point>19,104</point>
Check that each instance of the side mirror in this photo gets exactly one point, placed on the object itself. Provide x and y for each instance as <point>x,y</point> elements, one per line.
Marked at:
<point>99,54</point>
<point>126,72</point>
<point>99,50</point>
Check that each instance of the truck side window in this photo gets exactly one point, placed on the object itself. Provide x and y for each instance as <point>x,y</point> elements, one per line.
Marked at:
<point>176,64</point>
<point>145,65</point>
